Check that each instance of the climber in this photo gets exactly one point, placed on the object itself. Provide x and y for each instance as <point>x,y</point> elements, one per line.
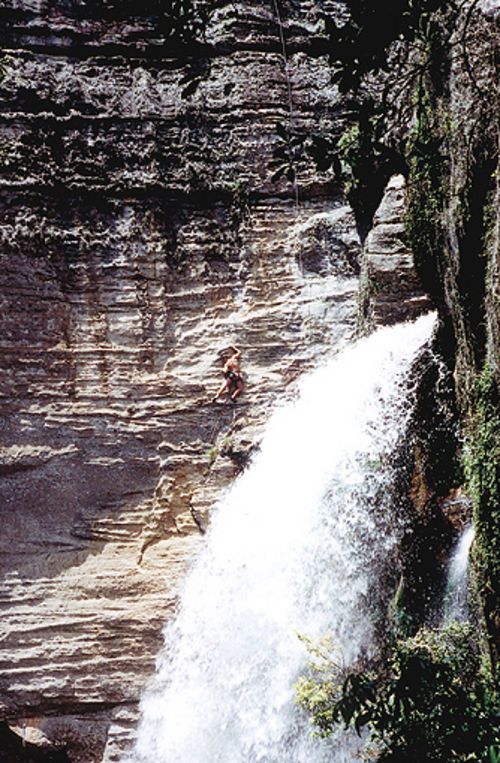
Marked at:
<point>232,378</point>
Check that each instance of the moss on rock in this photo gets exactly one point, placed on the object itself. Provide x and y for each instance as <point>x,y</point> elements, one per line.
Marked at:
<point>482,470</point>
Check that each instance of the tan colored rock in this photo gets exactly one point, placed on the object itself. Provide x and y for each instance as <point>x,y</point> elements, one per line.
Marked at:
<point>140,234</point>
<point>113,455</point>
<point>119,286</point>
<point>391,290</point>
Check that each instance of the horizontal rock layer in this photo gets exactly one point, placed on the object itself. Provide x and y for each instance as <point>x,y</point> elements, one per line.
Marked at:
<point>141,233</point>
<point>391,290</point>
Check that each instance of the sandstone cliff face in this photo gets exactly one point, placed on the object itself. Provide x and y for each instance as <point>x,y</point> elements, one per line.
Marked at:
<point>390,288</point>
<point>140,235</point>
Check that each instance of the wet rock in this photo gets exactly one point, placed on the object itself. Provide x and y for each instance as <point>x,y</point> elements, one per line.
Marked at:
<point>391,290</point>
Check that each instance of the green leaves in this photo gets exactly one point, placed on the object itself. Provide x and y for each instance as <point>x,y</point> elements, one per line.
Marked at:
<point>429,702</point>
<point>359,45</point>
<point>358,701</point>
<point>482,471</point>
<point>286,154</point>
<point>194,73</point>
<point>184,21</point>
<point>325,154</point>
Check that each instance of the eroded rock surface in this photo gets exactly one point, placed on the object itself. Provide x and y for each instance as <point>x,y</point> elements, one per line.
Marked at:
<point>140,235</point>
<point>391,291</point>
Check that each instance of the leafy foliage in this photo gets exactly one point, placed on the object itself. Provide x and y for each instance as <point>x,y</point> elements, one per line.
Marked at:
<point>429,702</point>
<point>425,192</point>
<point>362,44</point>
<point>320,690</point>
<point>287,154</point>
<point>182,25</point>
<point>195,72</point>
<point>366,159</point>
<point>409,42</point>
<point>360,158</point>
<point>482,470</point>
<point>184,21</point>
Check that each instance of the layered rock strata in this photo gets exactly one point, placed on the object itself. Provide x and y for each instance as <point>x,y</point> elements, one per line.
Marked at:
<point>140,235</point>
<point>390,288</point>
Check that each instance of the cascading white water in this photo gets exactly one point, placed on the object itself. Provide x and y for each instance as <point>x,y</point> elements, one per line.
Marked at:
<point>456,603</point>
<point>292,548</point>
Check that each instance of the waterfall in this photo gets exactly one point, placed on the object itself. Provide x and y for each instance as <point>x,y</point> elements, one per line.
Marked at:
<point>456,600</point>
<point>293,547</point>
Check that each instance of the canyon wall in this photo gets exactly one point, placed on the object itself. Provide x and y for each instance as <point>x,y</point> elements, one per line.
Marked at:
<point>143,230</point>
<point>141,234</point>
<point>452,227</point>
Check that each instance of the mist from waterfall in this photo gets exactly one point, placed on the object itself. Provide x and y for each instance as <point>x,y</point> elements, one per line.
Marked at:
<point>456,606</point>
<point>295,546</point>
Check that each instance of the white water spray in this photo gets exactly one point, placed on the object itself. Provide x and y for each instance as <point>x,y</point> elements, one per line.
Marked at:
<point>292,548</point>
<point>456,600</point>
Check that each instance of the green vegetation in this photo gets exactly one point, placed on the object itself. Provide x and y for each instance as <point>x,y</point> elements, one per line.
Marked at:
<point>320,690</point>
<point>435,698</point>
<point>212,454</point>
<point>430,701</point>
<point>183,22</point>
<point>379,77</point>
<point>356,52</point>
<point>482,470</point>
<point>287,153</point>
<point>425,191</point>
<point>359,158</point>
<point>435,424</point>
<point>372,104</point>
<point>182,25</point>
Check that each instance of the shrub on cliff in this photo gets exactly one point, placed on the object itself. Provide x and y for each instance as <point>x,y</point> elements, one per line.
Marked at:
<point>429,702</point>
<point>379,76</point>
<point>183,22</point>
